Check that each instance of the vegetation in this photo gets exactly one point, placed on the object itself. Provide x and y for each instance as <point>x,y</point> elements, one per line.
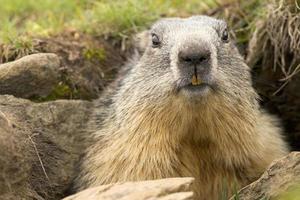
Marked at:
<point>19,19</point>
<point>292,193</point>
<point>22,21</point>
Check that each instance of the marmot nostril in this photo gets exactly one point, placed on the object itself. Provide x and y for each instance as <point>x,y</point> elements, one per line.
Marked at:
<point>204,58</point>
<point>194,58</point>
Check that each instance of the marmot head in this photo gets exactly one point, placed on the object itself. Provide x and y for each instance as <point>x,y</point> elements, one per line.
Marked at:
<point>192,59</point>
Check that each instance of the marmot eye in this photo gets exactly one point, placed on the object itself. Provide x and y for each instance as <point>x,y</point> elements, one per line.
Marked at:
<point>155,40</point>
<point>225,36</point>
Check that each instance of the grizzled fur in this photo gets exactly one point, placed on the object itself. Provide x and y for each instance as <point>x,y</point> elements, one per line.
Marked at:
<point>151,128</point>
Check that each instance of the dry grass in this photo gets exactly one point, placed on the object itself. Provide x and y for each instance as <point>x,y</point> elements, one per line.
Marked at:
<point>276,40</point>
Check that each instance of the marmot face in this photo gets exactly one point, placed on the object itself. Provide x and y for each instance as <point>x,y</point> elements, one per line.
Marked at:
<point>195,59</point>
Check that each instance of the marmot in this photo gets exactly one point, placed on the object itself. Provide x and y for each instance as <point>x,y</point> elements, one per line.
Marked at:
<point>186,108</point>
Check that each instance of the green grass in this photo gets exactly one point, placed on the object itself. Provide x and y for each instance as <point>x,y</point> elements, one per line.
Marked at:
<point>36,17</point>
<point>292,193</point>
<point>123,17</point>
<point>23,20</point>
<point>30,18</point>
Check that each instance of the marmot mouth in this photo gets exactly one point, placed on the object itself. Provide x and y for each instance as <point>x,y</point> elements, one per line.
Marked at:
<point>196,88</point>
<point>185,84</point>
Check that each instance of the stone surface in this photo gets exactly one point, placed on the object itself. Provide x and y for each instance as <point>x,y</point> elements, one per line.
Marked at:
<point>282,175</point>
<point>39,146</point>
<point>163,189</point>
<point>33,75</point>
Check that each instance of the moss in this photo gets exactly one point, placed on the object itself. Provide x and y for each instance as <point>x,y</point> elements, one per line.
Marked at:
<point>60,91</point>
<point>98,54</point>
<point>293,193</point>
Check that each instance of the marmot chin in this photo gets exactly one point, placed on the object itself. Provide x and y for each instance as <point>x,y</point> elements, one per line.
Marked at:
<point>186,108</point>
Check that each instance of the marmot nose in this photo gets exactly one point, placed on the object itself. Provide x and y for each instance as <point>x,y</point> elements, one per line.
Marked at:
<point>191,56</point>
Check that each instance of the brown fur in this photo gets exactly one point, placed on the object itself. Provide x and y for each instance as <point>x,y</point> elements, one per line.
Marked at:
<point>223,142</point>
<point>216,158</point>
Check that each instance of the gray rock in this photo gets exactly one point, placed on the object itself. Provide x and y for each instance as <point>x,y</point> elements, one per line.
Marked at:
<point>33,75</point>
<point>39,146</point>
<point>281,176</point>
<point>163,189</point>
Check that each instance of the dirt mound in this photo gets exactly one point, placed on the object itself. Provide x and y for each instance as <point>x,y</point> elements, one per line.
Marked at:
<point>88,63</point>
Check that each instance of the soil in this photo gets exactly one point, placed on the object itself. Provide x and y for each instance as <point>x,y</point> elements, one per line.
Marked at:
<point>88,63</point>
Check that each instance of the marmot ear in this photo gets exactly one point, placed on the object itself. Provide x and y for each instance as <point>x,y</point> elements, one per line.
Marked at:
<point>141,41</point>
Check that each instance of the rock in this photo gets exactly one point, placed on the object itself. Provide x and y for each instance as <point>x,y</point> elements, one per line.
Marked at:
<point>39,146</point>
<point>281,176</point>
<point>13,165</point>
<point>163,189</point>
<point>33,75</point>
